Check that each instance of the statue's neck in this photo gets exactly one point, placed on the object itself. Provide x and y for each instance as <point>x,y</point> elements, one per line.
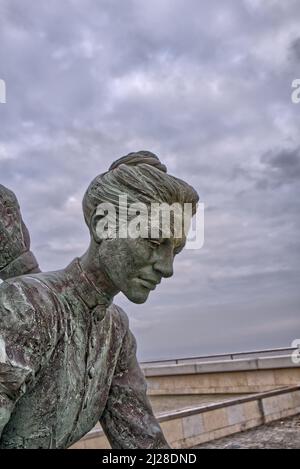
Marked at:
<point>84,288</point>
<point>89,264</point>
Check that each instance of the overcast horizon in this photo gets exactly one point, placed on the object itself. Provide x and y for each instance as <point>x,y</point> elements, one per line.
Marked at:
<point>207,87</point>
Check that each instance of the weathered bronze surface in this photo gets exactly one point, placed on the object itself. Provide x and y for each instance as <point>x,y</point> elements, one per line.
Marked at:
<point>15,255</point>
<point>67,356</point>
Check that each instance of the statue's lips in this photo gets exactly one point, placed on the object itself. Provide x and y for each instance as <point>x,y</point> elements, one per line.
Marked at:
<point>149,284</point>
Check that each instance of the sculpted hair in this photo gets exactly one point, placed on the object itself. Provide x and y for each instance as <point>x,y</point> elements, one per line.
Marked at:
<point>143,178</point>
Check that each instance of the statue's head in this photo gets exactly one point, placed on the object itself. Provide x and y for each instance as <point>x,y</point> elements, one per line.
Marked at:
<point>134,263</point>
<point>15,256</point>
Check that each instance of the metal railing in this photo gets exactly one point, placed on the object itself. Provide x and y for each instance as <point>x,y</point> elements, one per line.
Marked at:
<point>222,356</point>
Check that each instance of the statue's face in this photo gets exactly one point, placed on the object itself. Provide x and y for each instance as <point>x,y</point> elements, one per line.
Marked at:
<point>136,266</point>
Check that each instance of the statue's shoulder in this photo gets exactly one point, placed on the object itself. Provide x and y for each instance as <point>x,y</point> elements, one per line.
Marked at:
<point>14,302</point>
<point>28,328</point>
<point>23,289</point>
<point>24,300</point>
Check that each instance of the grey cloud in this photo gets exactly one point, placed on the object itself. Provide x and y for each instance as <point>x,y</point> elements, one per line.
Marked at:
<point>281,167</point>
<point>287,161</point>
<point>295,48</point>
<point>207,87</point>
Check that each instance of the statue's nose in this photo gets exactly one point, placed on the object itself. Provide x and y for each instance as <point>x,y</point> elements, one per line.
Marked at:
<point>164,265</point>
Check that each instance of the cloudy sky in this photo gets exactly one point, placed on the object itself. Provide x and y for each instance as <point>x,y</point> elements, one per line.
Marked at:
<point>206,86</point>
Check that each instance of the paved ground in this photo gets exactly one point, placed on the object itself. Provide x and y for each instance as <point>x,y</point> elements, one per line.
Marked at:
<point>277,435</point>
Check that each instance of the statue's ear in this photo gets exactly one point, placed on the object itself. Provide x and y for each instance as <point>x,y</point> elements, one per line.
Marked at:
<point>104,222</point>
<point>94,228</point>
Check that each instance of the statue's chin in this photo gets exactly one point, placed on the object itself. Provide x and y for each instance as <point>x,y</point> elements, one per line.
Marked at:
<point>138,297</point>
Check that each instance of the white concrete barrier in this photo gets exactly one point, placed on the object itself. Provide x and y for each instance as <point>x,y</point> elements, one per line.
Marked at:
<point>191,427</point>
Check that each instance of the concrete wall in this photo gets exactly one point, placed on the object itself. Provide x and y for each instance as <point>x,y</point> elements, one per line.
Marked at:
<point>223,377</point>
<point>189,428</point>
<point>223,397</point>
<point>167,403</point>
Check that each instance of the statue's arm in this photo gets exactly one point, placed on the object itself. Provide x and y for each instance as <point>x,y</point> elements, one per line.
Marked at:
<point>24,338</point>
<point>14,371</point>
<point>128,420</point>
<point>12,387</point>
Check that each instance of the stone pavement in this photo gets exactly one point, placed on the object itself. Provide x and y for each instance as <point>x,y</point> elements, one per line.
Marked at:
<point>282,434</point>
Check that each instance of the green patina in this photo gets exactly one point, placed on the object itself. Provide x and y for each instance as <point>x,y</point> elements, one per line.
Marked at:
<point>67,355</point>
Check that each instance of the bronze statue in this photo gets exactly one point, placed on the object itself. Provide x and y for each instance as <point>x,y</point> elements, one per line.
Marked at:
<point>15,255</point>
<point>67,355</point>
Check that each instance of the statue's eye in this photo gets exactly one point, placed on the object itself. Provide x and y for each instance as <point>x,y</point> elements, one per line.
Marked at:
<point>155,243</point>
